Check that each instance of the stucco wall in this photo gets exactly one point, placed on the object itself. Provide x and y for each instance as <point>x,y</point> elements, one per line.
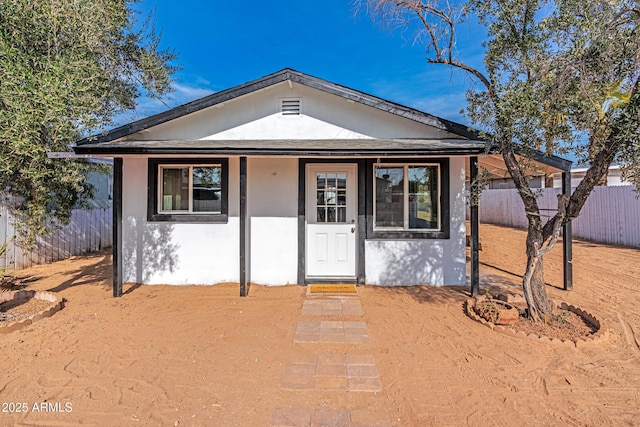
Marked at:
<point>433,262</point>
<point>272,207</point>
<point>176,253</point>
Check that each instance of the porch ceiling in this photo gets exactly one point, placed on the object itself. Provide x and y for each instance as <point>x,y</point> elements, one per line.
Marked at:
<point>539,164</point>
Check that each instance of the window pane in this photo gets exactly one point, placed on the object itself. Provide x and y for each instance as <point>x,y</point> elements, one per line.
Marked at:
<point>331,214</point>
<point>342,180</point>
<point>423,197</point>
<point>207,189</point>
<point>389,197</point>
<point>331,180</point>
<point>330,198</point>
<point>175,189</point>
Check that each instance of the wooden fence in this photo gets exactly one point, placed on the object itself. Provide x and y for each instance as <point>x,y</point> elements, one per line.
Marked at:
<point>89,230</point>
<point>611,214</point>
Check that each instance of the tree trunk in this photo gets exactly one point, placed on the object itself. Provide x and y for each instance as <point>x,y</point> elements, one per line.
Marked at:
<point>533,283</point>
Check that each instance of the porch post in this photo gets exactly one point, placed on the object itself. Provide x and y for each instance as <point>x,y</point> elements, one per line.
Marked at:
<point>116,215</point>
<point>567,238</point>
<point>243,226</point>
<point>474,199</point>
<point>302,179</point>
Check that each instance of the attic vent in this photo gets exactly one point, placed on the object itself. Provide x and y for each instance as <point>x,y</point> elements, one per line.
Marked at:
<point>290,106</point>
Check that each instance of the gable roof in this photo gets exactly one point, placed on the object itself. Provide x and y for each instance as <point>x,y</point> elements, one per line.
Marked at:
<point>286,74</point>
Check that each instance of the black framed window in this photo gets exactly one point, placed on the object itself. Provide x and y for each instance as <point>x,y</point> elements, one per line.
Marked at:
<point>408,199</point>
<point>188,190</point>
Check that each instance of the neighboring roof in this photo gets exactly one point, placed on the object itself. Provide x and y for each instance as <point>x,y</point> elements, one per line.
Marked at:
<point>283,75</point>
<point>336,147</point>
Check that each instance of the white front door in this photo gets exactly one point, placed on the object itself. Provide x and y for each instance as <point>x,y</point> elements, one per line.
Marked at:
<point>331,214</point>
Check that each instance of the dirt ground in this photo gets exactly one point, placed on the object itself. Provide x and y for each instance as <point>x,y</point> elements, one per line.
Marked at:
<point>203,356</point>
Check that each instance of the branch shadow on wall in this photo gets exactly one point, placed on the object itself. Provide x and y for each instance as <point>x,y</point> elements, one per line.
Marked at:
<point>425,262</point>
<point>412,263</point>
<point>148,249</point>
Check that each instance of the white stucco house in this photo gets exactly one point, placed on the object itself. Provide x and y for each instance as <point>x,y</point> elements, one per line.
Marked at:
<point>289,179</point>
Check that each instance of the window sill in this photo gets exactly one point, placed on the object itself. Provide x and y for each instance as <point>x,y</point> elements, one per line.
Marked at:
<point>189,218</point>
<point>408,234</point>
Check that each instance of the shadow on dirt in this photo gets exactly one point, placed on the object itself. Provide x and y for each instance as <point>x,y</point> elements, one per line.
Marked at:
<point>425,294</point>
<point>97,273</point>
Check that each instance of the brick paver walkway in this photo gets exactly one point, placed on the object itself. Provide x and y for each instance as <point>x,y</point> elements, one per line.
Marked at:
<point>344,307</point>
<point>331,372</point>
<point>334,372</point>
<point>331,331</point>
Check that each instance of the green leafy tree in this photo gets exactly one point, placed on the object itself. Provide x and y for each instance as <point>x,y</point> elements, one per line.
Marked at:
<point>558,76</point>
<point>66,69</point>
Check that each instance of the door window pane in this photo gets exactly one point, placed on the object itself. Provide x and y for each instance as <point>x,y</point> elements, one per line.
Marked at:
<point>389,197</point>
<point>331,214</point>
<point>423,197</point>
<point>331,181</point>
<point>330,197</point>
<point>330,193</point>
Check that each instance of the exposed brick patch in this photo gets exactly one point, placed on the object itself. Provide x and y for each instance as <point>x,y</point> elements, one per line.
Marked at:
<point>601,335</point>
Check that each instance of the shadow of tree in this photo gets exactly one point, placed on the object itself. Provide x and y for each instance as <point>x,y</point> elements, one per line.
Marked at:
<point>8,305</point>
<point>496,281</point>
<point>413,262</point>
<point>97,273</point>
<point>425,294</point>
<point>9,283</point>
<point>148,249</point>
<point>412,267</point>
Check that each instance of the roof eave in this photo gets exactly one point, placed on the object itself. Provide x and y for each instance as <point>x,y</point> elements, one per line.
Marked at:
<point>120,151</point>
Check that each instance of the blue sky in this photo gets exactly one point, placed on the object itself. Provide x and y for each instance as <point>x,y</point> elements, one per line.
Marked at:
<point>221,44</point>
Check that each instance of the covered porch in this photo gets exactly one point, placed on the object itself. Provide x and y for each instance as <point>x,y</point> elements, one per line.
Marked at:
<point>494,165</point>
